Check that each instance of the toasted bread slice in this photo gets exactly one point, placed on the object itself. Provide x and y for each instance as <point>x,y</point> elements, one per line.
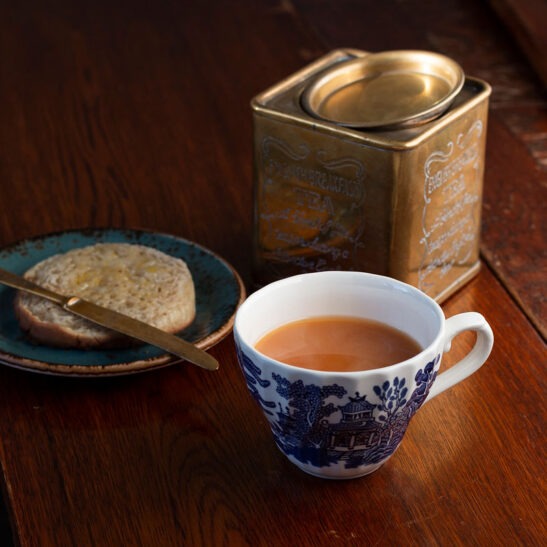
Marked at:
<point>136,280</point>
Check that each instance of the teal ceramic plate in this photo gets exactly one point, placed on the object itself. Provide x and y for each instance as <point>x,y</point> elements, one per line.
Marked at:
<point>219,292</point>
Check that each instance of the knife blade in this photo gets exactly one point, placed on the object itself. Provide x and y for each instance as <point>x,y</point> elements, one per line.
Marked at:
<point>116,321</point>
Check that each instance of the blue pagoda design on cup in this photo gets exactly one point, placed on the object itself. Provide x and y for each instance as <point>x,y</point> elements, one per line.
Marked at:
<point>357,430</point>
<point>320,426</point>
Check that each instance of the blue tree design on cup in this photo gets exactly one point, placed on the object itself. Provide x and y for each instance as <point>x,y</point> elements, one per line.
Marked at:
<point>302,426</point>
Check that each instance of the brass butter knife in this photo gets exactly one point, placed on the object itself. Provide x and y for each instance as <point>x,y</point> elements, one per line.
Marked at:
<point>115,321</point>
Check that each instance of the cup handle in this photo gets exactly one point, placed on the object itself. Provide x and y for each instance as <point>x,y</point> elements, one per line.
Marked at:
<point>473,360</point>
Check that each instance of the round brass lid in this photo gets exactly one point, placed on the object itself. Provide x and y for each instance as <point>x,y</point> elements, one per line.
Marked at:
<point>385,90</point>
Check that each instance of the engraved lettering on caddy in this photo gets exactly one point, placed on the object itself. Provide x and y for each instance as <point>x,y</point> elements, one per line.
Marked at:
<point>320,209</point>
<point>451,195</point>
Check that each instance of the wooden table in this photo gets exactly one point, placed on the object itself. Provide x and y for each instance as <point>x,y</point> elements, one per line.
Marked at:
<point>136,114</point>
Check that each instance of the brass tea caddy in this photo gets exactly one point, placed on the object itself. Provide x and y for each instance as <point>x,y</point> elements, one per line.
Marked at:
<point>371,162</point>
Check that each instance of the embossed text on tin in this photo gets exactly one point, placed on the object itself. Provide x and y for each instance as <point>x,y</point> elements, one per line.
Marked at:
<point>310,206</point>
<point>451,206</point>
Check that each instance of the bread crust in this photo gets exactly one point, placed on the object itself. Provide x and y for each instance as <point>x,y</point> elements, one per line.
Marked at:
<point>139,281</point>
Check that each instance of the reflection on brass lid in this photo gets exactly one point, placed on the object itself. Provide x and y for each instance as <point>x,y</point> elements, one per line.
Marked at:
<point>385,90</point>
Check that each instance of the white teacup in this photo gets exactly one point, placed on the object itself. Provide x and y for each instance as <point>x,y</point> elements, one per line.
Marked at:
<point>347,424</point>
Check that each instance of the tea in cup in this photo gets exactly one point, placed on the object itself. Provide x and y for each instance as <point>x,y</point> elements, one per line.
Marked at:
<point>340,362</point>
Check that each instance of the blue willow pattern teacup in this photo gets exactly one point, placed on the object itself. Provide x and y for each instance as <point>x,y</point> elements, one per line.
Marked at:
<point>347,424</point>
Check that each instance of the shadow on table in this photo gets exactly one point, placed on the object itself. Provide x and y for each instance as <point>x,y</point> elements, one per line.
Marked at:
<point>6,537</point>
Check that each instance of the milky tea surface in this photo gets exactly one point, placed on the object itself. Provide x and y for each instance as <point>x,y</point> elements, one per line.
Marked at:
<point>338,344</point>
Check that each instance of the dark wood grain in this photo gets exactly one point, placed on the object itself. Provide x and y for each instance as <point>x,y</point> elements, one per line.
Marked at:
<point>136,114</point>
<point>528,23</point>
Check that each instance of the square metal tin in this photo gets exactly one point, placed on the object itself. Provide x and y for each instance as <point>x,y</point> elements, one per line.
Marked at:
<point>405,202</point>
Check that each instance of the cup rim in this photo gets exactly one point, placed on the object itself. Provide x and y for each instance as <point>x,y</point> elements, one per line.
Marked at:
<point>346,374</point>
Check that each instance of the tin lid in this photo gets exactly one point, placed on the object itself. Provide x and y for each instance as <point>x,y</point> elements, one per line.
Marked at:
<point>390,89</point>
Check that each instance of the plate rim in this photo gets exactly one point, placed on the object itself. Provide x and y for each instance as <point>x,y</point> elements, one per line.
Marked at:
<point>138,365</point>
